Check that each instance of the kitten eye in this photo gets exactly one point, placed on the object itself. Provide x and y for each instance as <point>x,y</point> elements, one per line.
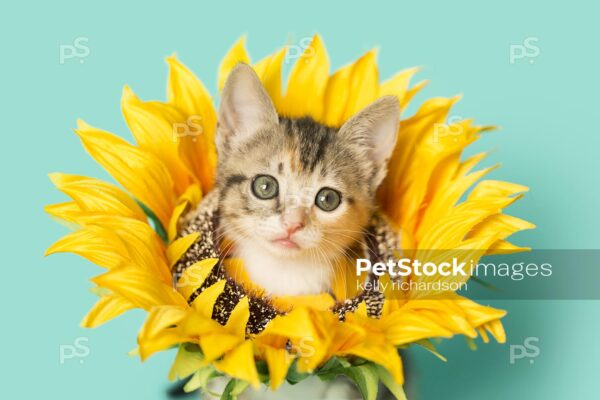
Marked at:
<point>328,199</point>
<point>265,187</point>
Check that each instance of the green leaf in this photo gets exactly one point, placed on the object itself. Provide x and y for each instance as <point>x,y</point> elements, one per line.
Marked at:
<point>233,389</point>
<point>160,230</point>
<point>263,371</point>
<point>332,363</point>
<point>200,379</point>
<point>366,378</point>
<point>186,363</point>
<point>395,388</point>
<point>293,376</point>
<point>335,362</point>
<point>343,362</point>
<point>333,367</point>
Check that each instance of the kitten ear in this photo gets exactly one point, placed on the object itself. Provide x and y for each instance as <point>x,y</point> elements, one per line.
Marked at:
<point>245,107</point>
<point>376,127</point>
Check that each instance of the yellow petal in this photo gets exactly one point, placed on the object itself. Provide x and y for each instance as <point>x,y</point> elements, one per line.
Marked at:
<point>193,277</point>
<point>278,361</point>
<point>199,157</point>
<point>398,84</point>
<point>179,247</point>
<point>93,195</point>
<point>105,309</point>
<point>154,127</point>
<point>412,163</point>
<point>406,327</point>
<point>205,302</point>
<point>269,71</point>
<point>410,93</point>
<point>160,318</point>
<point>351,89</point>
<point>476,313</point>
<point>215,345</point>
<point>466,166</point>
<point>186,92</point>
<point>442,202</point>
<point>364,86</point>
<point>497,330</point>
<point>325,325</point>
<point>483,335</point>
<point>504,247</point>
<point>295,324</point>
<point>449,232</point>
<point>140,172</point>
<point>470,251</point>
<point>307,80</point>
<point>500,226</point>
<point>236,54</point>
<point>180,209</point>
<point>239,363</point>
<point>97,245</point>
<point>67,212</point>
<point>456,314</point>
<point>196,325</point>
<point>493,188</point>
<point>158,332</point>
<point>336,96</point>
<point>141,289</point>
<point>238,319</point>
<point>190,198</point>
<point>144,247</point>
<point>195,134</point>
<point>161,342</point>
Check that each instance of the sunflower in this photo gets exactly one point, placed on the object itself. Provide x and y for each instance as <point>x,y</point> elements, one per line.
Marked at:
<point>431,195</point>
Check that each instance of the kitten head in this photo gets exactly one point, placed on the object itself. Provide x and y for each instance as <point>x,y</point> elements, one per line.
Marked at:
<point>293,186</point>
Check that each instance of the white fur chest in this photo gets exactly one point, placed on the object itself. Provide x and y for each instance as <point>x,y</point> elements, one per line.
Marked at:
<point>304,274</point>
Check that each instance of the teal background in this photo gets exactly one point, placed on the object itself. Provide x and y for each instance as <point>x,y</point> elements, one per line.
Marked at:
<point>549,141</point>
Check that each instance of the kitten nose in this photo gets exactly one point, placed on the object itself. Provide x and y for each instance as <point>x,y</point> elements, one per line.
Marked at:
<point>294,227</point>
<point>293,220</point>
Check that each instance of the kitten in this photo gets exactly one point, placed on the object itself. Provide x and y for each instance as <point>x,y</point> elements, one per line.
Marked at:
<point>294,195</point>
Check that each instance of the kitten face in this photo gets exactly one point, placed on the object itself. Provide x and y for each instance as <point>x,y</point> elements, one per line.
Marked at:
<point>292,188</point>
<point>296,188</point>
